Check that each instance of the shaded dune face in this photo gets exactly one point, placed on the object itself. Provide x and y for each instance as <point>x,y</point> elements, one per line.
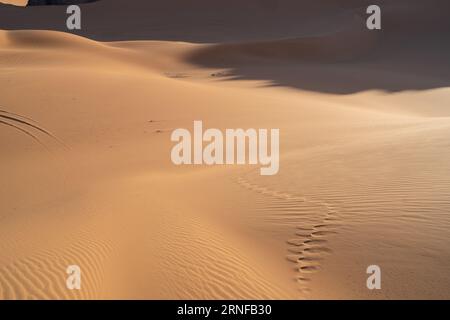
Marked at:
<point>56,2</point>
<point>204,21</point>
<point>348,42</point>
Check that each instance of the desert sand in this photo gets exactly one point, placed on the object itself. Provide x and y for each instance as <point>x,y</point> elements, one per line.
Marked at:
<point>15,2</point>
<point>86,175</point>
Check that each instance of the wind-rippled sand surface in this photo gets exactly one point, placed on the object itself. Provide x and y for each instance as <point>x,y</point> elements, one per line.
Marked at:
<point>86,176</point>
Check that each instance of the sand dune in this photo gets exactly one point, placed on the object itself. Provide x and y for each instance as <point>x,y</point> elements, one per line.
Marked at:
<point>85,126</point>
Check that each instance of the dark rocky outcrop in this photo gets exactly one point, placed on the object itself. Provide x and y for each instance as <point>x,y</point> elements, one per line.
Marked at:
<point>56,2</point>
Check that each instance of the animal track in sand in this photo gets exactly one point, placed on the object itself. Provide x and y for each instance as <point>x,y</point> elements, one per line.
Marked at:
<point>309,247</point>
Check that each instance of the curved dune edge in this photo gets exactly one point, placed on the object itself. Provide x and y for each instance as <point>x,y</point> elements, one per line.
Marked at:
<point>53,49</point>
<point>184,256</point>
<point>348,43</point>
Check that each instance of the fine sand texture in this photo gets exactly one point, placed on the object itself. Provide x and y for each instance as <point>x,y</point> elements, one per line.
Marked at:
<point>86,177</point>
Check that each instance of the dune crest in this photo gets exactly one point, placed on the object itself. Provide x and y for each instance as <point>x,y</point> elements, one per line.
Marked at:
<point>345,44</point>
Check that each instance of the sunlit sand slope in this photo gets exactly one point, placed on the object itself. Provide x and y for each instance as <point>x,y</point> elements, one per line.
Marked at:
<point>87,178</point>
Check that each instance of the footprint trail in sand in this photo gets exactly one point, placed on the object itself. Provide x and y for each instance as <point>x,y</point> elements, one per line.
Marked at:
<point>310,244</point>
